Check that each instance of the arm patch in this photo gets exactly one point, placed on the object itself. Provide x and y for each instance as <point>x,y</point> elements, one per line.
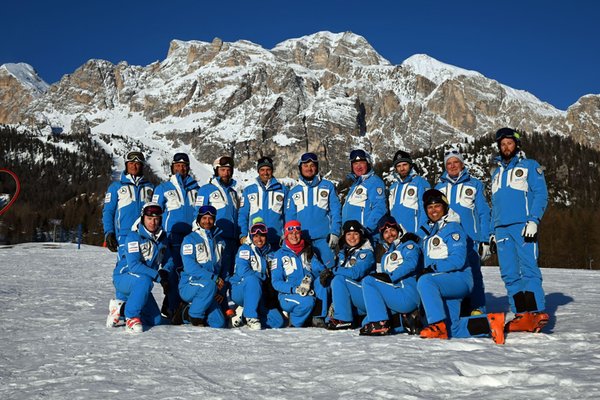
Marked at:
<point>107,197</point>
<point>187,249</point>
<point>245,254</point>
<point>133,247</point>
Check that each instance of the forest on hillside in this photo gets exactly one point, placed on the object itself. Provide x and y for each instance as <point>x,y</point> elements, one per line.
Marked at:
<point>64,179</point>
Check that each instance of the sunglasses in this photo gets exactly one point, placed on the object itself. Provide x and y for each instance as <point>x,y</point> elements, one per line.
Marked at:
<point>294,228</point>
<point>135,156</point>
<point>308,157</point>
<point>153,211</point>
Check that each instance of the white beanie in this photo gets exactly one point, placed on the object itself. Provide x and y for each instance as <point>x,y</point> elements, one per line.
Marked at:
<point>453,153</point>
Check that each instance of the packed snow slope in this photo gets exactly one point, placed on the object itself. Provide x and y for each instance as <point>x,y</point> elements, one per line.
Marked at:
<point>54,344</point>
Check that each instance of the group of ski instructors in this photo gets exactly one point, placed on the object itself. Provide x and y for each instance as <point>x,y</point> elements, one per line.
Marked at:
<point>403,259</point>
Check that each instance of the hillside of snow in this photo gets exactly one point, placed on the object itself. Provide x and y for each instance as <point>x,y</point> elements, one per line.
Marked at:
<point>55,345</point>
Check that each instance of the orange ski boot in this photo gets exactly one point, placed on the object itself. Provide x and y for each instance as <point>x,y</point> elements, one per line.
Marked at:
<point>496,321</point>
<point>435,331</point>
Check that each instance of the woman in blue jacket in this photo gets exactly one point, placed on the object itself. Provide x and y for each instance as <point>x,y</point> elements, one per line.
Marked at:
<point>251,282</point>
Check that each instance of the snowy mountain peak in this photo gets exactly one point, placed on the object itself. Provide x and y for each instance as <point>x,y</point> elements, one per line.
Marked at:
<point>26,75</point>
<point>345,44</point>
<point>434,70</point>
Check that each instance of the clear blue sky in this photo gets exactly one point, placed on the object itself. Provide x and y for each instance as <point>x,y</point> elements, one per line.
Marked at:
<point>549,48</point>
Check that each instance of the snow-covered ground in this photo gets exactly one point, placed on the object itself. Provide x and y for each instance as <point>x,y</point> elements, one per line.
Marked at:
<point>54,301</point>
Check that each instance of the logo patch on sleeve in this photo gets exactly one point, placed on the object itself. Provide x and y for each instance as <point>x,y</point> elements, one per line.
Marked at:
<point>187,249</point>
<point>380,191</point>
<point>199,201</point>
<point>133,247</point>
<point>362,256</point>
<point>107,197</point>
<point>245,254</point>
<point>456,236</point>
<point>155,198</point>
<point>410,246</point>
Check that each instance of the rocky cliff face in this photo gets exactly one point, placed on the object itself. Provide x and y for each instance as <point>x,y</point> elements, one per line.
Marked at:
<point>325,93</point>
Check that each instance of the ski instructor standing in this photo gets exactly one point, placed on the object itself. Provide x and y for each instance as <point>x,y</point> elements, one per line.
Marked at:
<point>519,199</point>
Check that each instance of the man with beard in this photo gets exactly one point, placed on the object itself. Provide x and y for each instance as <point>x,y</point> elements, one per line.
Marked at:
<point>519,199</point>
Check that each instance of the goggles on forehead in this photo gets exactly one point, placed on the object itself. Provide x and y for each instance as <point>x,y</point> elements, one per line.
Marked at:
<point>152,211</point>
<point>207,210</point>
<point>358,155</point>
<point>388,224</point>
<point>308,157</point>
<point>258,228</point>
<point>135,156</point>
<point>293,228</point>
<point>452,152</point>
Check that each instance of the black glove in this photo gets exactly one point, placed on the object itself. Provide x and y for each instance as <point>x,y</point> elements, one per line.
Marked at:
<point>427,270</point>
<point>410,236</point>
<point>493,244</point>
<point>111,242</point>
<point>382,276</point>
<point>164,280</point>
<point>325,275</point>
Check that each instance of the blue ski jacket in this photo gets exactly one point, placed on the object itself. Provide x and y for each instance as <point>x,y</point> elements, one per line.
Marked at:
<point>401,260</point>
<point>445,246</point>
<point>226,200</point>
<point>365,201</point>
<point>316,205</point>
<point>266,202</point>
<point>405,201</point>
<point>252,260</point>
<point>201,255</point>
<point>177,197</point>
<point>519,192</point>
<point>123,203</point>
<point>145,253</point>
<point>288,269</point>
<point>467,198</point>
<point>355,262</point>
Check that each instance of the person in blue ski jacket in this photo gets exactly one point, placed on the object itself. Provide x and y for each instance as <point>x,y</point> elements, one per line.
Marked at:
<point>392,289</point>
<point>405,194</point>
<point>264,198</point>
<point>447,279</point>
<point>177,197</point>
<point>221,192</point>
<point>294,274</point>
<point>355,261</point>
<point>365,202</point>
<point>147,260</point>
<point>251,283</point>
<point>203,279</point>
<point>467,198</point>
<point>123,202</point>
<point>519,199</point>
<point>314,202</point>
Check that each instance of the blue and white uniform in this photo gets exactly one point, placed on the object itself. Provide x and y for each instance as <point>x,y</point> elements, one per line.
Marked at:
<point>251,275</point>
<point>226,199</point>
<point>316,206</point>
<point>467,198</point>
<point>365,202</point>
<point>405,201</point>
<point>400,295</point>
<point>287,271</point>
<point>354,263</point>
<point>445,251</point>
<point>519,195</point>
<point>177,197</point>
<point>201,254</point>
<point>266,202</point>
<point>136,272</point>
<point>122,206</point>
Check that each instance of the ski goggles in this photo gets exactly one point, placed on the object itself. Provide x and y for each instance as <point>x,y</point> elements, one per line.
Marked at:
<point>388,224</point>
<point>135,156</point>
<point>308,157</point>
<point>207,210</point>
<point>293,228</point>
<point>452,152</point>
<point>181,158</point>
<point>359,155</point>
<point>152,210</point>
<point>224,162</point>
<point>258,229</point>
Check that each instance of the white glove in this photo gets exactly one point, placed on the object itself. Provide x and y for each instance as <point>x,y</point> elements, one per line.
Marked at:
<point>333,241</point>
<point>304,288</point>
<point>493,244</point>
<point>530,231</point>
<point>484,251</point>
